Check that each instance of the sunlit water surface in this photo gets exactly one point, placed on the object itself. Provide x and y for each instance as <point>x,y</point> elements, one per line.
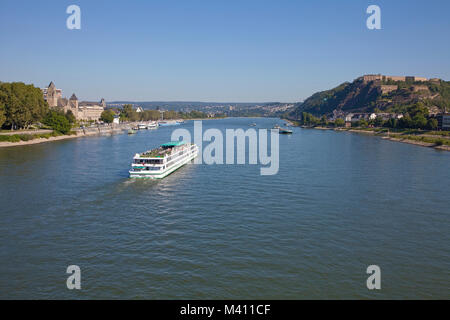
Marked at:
<point>339,203</point>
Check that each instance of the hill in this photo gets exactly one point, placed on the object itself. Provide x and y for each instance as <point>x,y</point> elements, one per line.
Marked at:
<point>375,96</point>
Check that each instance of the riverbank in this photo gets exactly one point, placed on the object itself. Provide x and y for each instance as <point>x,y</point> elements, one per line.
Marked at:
<point>422,141</point>
<point>439,142</point>
<point>291,123</point>
<point>50,136</point>
<point>37,140</point>
<point>30,137</point>
<point>29,132</point>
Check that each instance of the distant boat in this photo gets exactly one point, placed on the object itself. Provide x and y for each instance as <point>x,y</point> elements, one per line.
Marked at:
<point>153,125</point>
<point>131,131</point>
<point>253,125</point>
<point>276,127</point>
<point>285,131</point>
<point>142,126</point>
<point>168,123</point>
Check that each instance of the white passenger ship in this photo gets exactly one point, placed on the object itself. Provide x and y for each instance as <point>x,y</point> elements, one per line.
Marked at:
<point>159,163</point>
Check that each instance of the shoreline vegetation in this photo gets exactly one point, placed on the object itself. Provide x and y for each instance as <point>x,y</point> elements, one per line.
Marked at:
<point>23,139</point>
<point>26,118</point>
<point>439,140</point>
<point>29,137</point>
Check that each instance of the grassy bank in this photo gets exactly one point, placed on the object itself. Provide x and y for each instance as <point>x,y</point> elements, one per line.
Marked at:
<point>426,139</point>
<point>28,137</point>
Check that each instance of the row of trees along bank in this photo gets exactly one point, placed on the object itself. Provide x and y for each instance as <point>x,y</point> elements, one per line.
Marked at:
<point>415,117</point>
<point>127,113</point>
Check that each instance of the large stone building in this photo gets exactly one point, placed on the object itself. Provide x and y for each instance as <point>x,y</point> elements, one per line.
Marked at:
<point>378,77</point>
<point>444,121</point>
<point>83,111</point>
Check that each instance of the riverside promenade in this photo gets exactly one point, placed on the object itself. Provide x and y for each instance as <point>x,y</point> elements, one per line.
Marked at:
<point>77,133</point>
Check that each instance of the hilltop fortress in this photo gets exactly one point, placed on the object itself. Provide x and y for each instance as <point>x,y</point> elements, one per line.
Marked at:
<point>379,77</point>
<point>386,88</point>
<point>84,110</point>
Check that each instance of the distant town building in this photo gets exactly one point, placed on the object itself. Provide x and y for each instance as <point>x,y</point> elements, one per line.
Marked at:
<point>84,110</point>
<point>139,109</point>
<point>337,114</point>
<point>354,117</point>
<point>348,117</point>
<point>444,121</point>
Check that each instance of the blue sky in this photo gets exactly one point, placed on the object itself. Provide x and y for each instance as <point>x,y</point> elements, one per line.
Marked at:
<point>214,50</point>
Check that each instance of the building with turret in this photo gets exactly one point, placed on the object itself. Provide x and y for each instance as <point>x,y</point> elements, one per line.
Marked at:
<point>83,111</point>
<point>52,95</point>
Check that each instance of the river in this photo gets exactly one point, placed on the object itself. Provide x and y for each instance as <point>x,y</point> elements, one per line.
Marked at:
<point>339,203</point>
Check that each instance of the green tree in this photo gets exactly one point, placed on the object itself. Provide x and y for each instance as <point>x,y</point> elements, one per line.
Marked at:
<point>339,122</point>
<point>405,122</point>
<point>152,115</point>
<point>309,120</point>
<point>70,117</point>
<point>432,124</point>
<point>379,122</point>
<point>23,104</point>
<point>129,114</point>
<point>58,122</point>
<point>107,116</point>
<point>391,123</point>
<point>419,121</point>
<point>2,115</point>
<point>168,115</point>
<point>363,123</point>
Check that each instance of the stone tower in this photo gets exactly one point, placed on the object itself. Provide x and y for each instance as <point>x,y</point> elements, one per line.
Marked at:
<point>52,96</point>
<point>73,103</point>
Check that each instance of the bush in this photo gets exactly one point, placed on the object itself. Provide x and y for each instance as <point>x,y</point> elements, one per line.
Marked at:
<point>107,116</point>
<point>57,122</point>
<point>70,117</point>
<point>26,137</point>
<point>339,122</point>
<point>13,138</point>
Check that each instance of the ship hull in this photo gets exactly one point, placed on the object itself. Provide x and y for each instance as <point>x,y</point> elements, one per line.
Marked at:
<point>161,175</point>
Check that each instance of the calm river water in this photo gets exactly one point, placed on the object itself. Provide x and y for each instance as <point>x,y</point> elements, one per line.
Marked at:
<point>339,203</point>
